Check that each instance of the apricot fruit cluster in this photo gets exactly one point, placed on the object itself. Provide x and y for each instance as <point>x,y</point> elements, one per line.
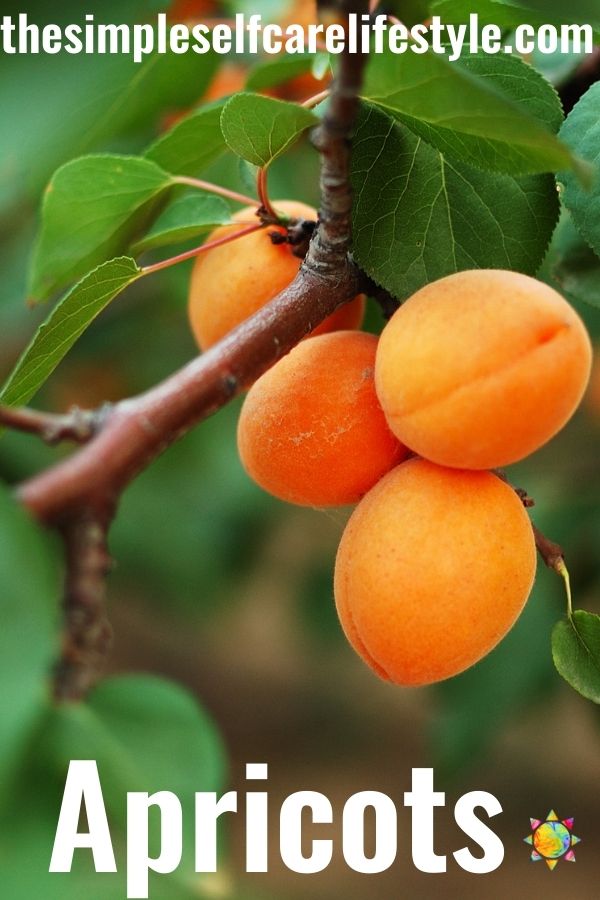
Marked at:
<point>473,372</point>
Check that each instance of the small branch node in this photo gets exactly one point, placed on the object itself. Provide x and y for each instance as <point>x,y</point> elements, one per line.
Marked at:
<point>77,425</point>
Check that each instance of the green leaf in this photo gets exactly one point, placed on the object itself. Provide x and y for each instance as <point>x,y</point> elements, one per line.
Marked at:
<point>29,611</point>
<point>93,208</point>
<point>65,324</point>
<point>86,103</point>
<point>574,265</point>
<point>260,129</point>
<point>510,13</point>
<point>557,67</point>
<point>490,12</point>
<point>581,132</point>
<point>247,175</point>
<point>192,144</point>
<point>494,112</point>
<point>187,217</point>
<point>418,216</point>
<point>277,71</point>
<point>146,734</point>
<point>576,652</point>
<point>577,10</point>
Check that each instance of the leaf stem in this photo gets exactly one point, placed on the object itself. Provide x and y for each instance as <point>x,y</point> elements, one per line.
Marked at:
<point>263,194</point>
<point>553,556</point>
<point>189,254</point>
<point>313,101</point>
<point>562,570</point>
<point>215,189</point>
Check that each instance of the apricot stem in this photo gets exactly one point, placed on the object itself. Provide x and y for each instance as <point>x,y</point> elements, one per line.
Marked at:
<point>215,189</point>
<point>551,553</point>
<point>189,254</point>
<point>553,556</point>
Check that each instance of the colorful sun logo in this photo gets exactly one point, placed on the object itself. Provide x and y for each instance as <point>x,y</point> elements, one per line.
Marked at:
<point>552,839</point>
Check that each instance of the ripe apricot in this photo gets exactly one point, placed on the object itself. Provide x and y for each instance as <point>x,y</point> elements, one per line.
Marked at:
<point>231,282</point>
<point>480,369</point>
<point>433,569</point>
<point>311,430</point>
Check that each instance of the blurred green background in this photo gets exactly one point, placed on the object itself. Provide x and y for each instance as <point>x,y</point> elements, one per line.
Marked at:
<point>229,592</point>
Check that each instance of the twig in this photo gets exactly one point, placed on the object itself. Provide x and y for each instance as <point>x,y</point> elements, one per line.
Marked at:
<point>551,553</point>
<point>77,425</point>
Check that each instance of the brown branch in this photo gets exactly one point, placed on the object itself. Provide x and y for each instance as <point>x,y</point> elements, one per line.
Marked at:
<point>551,553</point>
<point>78,496</point>
<point>77,425</point>
<point>87,632</point>
<point>139,429</point>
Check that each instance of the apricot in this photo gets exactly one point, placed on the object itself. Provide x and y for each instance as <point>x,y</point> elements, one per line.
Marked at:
<point>311,430</point>
<point>433,569</point>
<point>480,369</point>
<point>231,282</point>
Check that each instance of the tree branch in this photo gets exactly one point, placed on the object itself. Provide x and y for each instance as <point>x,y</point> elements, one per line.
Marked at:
<point>87,635</point>
<point>79,495</point>
<point>139,429</point>
<point>551,553</point>
<point>77,425</point>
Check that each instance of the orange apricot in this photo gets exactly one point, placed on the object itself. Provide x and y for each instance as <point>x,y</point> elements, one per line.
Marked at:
<point>433,569</point>
<point>311,430</point>
<point>231,282</point>
<point>480,369</point>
